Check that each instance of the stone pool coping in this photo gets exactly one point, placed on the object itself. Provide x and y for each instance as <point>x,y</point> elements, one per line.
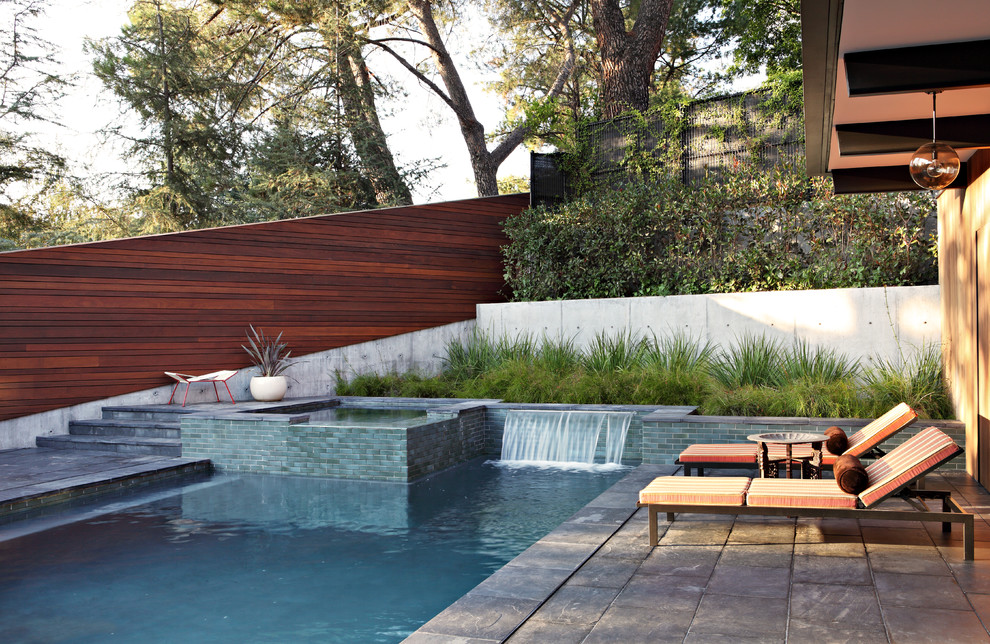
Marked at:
<point>36,477</point>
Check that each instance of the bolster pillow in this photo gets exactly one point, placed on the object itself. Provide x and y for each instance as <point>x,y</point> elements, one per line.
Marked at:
<point>837,442</point>
<point>850,474</point>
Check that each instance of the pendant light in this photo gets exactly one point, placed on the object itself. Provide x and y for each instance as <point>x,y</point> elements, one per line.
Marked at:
<point>934,165</point>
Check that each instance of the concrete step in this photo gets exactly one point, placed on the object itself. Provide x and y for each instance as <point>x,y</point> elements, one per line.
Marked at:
<point>123,444</point>
<point>125,427</point>
<point>166,413</point>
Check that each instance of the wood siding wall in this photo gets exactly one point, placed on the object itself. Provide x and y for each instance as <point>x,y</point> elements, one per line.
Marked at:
<point>962,213</point>
<point>85,322</point>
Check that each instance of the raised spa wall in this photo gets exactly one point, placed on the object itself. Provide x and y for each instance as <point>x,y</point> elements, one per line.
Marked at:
<point>456,431</point>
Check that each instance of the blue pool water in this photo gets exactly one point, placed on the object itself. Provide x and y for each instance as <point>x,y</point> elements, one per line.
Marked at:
<point>275,559</point>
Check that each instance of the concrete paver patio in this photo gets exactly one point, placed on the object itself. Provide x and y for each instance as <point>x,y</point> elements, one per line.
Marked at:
<point>715,578</point>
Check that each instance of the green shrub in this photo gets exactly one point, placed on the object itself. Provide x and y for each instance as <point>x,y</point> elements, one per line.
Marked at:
<point>678,352</point>
<point>840,399</point>
<point>470,359</point>
<point>759,377</point>
<point>753,362</point>
<point>751,230</point>
<point>686,387</point>
<point>919,382</point>
<point>558,356</point>
<point>608,354</point>
<point>820,365</point>
<point>370,384</point>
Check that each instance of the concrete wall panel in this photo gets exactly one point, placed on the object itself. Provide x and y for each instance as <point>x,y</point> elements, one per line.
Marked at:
<point>892,323</point>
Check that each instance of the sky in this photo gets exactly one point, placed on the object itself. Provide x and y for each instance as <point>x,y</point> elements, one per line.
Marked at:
<point>431,132</point>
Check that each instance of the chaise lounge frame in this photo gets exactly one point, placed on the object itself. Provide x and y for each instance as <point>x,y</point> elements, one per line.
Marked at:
<point>950,513</point>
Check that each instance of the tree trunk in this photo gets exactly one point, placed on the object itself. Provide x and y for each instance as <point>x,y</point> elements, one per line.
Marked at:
<point>167,142</point>
<point>369,139</point>
<point>471,129</point>
<point>484,163</point>
<point>628,58</point>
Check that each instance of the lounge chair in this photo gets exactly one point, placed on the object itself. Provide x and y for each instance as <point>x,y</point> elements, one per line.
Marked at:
<point>890,475</point>
<point>862,444</point>
<point>215,377</point>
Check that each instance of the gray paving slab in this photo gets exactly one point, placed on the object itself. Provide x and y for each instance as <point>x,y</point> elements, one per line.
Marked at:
<point>912,624</point>
<point>799,630</point>
<point>836,605</point>
<point>758,555</point>
<point>849,571</point>
<point>920,591</point>
<point>481,617</point>
<point>748,581</point>
<point>740,617</point>
<point>633,624</point>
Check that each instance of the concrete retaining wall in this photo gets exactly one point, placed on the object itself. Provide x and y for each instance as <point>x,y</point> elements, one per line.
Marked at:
<point>862,323</point>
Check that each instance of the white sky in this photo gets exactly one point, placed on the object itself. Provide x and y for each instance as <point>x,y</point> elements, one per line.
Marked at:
<point>428,130</point>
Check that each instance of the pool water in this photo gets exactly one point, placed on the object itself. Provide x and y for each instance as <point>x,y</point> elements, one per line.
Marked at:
<point>375,417</point>
<point>276,559</point>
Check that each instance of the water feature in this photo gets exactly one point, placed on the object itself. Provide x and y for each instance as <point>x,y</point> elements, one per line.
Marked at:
<point>262,558</point>
<point>552,436</point>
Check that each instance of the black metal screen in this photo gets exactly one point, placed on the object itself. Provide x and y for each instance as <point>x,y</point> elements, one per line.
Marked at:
<point>715,134</point>
<point>722,131</point>
<point>547,182</point>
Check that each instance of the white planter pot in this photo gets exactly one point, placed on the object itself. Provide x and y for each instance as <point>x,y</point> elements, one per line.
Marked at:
<point>268,388</point>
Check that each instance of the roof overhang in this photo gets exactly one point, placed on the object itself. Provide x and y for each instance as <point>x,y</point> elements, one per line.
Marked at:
<point>867,66</point>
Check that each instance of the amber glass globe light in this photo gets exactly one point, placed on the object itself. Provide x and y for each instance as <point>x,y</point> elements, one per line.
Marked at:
<point>934,166</point>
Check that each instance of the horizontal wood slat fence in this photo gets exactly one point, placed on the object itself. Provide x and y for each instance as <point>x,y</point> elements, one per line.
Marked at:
<point>84,322</point>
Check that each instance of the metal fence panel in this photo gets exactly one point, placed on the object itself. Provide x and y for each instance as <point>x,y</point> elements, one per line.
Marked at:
<point>717,133</point>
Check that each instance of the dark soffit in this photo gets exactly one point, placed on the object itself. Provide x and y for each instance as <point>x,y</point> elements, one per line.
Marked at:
<point>882,137</point>
<point>894,178</point>
<point>919,68</point>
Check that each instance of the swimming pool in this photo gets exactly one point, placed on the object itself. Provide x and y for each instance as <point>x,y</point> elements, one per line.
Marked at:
<point>264,558</point>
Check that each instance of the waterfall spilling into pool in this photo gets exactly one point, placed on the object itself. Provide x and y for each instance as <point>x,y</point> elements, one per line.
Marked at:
<point>547,436</point>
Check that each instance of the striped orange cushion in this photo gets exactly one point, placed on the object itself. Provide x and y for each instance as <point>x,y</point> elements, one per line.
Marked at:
<point>880,430</point>
<point>694,490</point>
<point>918,455</point>
<point>798,493</point>
<point>719,453</point>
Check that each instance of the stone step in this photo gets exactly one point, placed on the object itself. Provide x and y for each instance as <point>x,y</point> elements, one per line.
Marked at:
<point>167,413</point>
<point>123,444</point>
<point>125,427</point>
